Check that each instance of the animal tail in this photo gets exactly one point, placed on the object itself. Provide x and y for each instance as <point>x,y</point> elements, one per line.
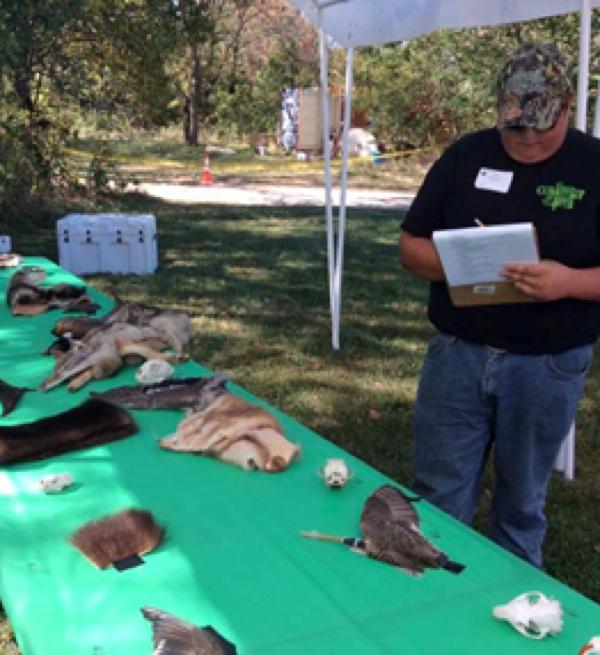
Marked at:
<point>449,565</point>
<point>10,396</point>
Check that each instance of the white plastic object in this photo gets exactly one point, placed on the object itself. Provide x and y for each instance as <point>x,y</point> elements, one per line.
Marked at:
<point>533,614</point>
<point>107,243</point>
<point>335,472</point>
<point>5,244</point>
<point>153,371</point>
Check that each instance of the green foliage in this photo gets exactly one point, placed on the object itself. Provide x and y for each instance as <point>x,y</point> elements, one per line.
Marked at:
<point>32,160</point>
<point>436,87</point>
<point>253,108</point>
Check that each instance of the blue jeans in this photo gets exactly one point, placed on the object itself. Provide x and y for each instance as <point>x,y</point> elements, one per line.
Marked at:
<point>470,396</point>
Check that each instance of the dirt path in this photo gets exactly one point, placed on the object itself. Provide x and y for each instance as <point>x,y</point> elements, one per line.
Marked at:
<point>270,195</point>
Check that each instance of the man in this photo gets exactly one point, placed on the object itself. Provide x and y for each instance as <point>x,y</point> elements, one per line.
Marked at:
<point>509,374</point>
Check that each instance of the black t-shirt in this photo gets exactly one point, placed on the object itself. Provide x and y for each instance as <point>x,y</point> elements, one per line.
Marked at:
<point>560,196</point>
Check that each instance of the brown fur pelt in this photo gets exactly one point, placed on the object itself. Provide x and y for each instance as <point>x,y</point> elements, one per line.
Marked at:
<point>113,538</point>
<point>76,326</point>
<point>26,298</point>
<point>89,424</point>
<point>235,431</point>
<point>128,333</point>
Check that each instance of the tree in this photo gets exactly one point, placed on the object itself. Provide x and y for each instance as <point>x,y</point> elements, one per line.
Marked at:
<point>438,86</point>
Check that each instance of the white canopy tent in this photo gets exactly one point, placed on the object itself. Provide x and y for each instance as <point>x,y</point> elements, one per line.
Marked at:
<point>355,23</point>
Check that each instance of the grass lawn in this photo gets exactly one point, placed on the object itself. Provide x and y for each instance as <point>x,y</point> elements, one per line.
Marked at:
<point>255,282</point>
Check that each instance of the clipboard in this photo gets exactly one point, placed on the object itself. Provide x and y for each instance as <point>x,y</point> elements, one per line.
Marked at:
<point>491,293</point>
<point>473,257</point>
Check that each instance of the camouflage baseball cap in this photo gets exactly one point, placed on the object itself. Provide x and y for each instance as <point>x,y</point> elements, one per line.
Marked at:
<point>533,87</point>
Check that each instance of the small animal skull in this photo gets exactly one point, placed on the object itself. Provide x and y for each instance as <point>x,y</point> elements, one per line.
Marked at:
<point>592,647</point>
<point>54,483</point>
<point>335,473</point>
<point>153,371</point>
<point>532,614</point>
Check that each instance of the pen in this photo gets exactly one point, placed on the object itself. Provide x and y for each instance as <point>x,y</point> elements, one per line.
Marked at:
<point>479,223</point>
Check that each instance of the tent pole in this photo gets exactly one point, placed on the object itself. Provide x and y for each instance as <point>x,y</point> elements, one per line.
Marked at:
<point>585,31</point>
<point>339,263</point>
<point>327,172</point>
<point>596,130</point>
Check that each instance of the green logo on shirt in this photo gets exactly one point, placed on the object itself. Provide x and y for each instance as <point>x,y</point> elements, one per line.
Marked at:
<point>559,196</point>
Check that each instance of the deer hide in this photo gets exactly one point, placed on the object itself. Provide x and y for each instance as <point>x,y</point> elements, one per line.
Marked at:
<point>219,429</point>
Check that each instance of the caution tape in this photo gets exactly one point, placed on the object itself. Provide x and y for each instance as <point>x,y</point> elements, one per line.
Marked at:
<point>267,163</point>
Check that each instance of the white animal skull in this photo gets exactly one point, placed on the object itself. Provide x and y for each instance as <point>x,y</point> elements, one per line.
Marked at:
<point>153,371</point>
<point>54,483</point>
<point>335,472</point>
<point>533,614</point>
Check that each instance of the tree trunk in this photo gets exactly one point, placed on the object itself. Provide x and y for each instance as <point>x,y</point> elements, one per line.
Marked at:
<point>192,105</point>
<point>186,118</point>
<point>22,84</point>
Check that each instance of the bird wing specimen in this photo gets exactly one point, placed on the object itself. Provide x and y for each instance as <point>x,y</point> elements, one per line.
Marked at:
<point>172,636</point>
<point>115,538</point>
<point>10,396</point>
<point>227,421</point>
<point>176,393</point>
<point>390,526</point>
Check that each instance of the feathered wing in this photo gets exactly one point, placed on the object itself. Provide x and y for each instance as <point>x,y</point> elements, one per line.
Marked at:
<point>172,636</point>
<point>390,504</point>
<point>390,526</point>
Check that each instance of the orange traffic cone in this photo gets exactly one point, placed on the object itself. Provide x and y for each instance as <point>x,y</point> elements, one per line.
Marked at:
<point>207,177</point>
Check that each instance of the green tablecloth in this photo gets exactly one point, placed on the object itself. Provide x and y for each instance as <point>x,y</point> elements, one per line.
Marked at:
<point>233,557</point>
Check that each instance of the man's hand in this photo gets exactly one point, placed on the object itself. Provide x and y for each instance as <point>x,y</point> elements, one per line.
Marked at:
<point>545,281</point>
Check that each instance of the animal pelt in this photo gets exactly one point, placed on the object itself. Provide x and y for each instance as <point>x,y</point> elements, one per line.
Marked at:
<point>116,537</point>
<point>235,431</point>
<point>26,298</point>
<point>173,326</point>
<point>89,424</point>
<point>9,260</point>
<point>10,396</point>
<point>390,526</point>
<point>176,393</point>
<point>75,327</point>
<point>172,636</point>
<point>107,346</point>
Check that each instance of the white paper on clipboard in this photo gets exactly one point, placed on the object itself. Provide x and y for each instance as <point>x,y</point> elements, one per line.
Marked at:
<point>475,255</point>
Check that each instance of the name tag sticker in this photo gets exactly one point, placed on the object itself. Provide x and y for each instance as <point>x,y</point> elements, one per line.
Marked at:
<point>490,179</point>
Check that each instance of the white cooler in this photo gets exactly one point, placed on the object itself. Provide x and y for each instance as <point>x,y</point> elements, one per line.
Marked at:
<point>107,243</point>
<point>5,244</point>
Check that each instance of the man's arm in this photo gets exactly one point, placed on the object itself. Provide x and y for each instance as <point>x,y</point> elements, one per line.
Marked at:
<point>419,256</point>
<point>550,280</point>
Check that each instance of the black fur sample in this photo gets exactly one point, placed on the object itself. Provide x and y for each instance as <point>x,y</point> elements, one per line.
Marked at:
<point>91,423</point>
<point>175,393</point>
<point>10,396</point>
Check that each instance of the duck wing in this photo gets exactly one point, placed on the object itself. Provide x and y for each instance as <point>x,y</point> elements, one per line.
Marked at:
<point>390,525</point>
<point>172,636</point>
<point>388,504</point>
